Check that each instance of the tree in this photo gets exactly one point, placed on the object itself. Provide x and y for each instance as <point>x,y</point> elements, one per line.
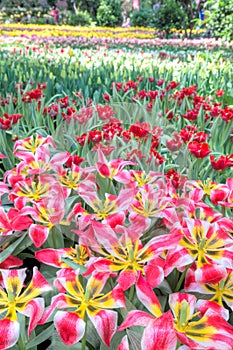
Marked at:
<point>91,6</point>
<point>191,10</point>
<point>169,15</point>
<point>220,18</point>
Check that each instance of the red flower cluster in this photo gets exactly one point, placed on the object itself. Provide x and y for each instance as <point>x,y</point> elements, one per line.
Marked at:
<point>8,120</point>
<point>199,150</point>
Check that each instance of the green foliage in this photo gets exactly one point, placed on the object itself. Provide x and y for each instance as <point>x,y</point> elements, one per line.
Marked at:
<point>220,18</point>
<point>91,6</point>
<point>24,11</point>
<point>109,13</point>
<point>147,3</point>
<point>142,18</point>
<point>28,5</point>
<point>80,18</point>
<point>79,12</point>
<point>170,15</point>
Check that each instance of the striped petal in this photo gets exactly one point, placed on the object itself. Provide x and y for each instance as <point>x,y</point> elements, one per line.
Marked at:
<point>147,297</point>
<point>211,331</point>
<point>51,256</point>
<point>124,344</point>
<point>105,322</point>
<point>204,305</point>
<point>34,310</point>
<point>38,234</point>
<point>165,242</point>
<point>13,280</point>
<point>37,286</point>
<point>69,326</point>
<point>136,318</point>
<point>9,331</point>
<point>97,282</point>
<point>105,235</point>
<point>154,272</point>
<point>11,261</point>
<point>178,300</point>
<point>126,279</point>
<point>191,285</point>
<point>211,274</point>
<point>160,334</point>
<point>113,299</point>
<point>58,301</point>
<point>177,258</point>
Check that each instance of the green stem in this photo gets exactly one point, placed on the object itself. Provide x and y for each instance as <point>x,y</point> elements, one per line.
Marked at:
<point>131,292</point>
<point>21,343</point>
<point>84,338</point>
<point>109,185</point>
<point>182,277</point>
<point>54,235</point>
<point>224,211</point>
<point>178,344</point>
<point>197,164</point>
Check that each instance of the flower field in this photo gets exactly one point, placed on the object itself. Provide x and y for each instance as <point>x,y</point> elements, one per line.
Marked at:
<point>116,191</point>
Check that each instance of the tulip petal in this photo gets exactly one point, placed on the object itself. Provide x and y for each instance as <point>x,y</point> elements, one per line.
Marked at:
<point>69,326</point>
<point>204,305</point>
<point>9,331</point>
<point>176,301</point>
<point>37,286</point>
<point>136,318</point>
<point>124,344</point>
<point>11,261</point>
<point>126,279</point>
<point>160,334</point>
<point>34,310</point>
<point>154,273</point>
<point>105,322</point>
<point>13,280</point>
<point>113,299</point>
<point>38,234</point>
<point>210,274</point>
<point>51,256</point>
<point>147,297</point>
<point>58,301</point>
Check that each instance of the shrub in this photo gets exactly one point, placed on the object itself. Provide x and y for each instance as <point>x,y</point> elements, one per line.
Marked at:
<point>81,18</point>
<point>142,18</point>
<point>169,15</point>
<point>109,13</point>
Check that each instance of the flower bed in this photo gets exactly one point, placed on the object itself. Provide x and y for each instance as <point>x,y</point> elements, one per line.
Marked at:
<point>116,202</point>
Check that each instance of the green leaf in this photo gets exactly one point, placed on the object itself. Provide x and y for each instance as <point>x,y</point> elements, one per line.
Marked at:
<point>228,100</point>
<point>44,335</point>
<point>74,266</point>
<point>116,339</point>
<point>10,249</point>
<point>59,345</point>
<point>92,336</point>
<point>134,340</point>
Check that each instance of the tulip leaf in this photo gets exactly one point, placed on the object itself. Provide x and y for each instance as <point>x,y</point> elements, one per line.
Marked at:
<point>228,100</point>
<point>92,337</point>
<point>10,249</point>
<point>59,345</point>
<point>134,340</point>
<point>41,337</point>
<point>74,266</point>
<point>116,339</point>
